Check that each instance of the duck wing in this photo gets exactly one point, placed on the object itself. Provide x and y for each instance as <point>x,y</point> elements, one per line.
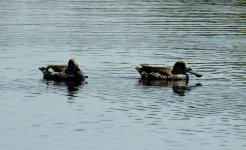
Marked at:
<point>57,68</point>
<point>152,69</point>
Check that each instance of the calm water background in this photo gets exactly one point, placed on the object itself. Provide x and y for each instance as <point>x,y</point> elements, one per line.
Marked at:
<point>113,110</point>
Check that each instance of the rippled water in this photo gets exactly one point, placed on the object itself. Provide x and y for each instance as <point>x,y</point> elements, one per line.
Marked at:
<point>113,110</point>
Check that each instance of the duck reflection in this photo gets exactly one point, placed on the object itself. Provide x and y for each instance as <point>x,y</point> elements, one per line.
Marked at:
<point>179,87</point>
<point>72,87</point>
<point>72,90</point>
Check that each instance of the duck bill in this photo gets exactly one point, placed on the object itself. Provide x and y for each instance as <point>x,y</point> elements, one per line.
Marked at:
<point>194,72</point>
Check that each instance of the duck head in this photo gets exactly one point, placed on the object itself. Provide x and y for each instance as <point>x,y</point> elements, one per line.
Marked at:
<point>181,67</point>
<point>73,67</point>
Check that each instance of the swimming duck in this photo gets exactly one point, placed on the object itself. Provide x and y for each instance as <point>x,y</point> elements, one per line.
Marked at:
<point>70,72</point>
<point>178,72</point>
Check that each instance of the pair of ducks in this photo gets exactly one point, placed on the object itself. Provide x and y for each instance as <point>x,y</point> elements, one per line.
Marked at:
<point>72,72</point>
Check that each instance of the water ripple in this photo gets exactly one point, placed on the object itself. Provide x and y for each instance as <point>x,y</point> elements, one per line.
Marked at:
<point>111,37</point>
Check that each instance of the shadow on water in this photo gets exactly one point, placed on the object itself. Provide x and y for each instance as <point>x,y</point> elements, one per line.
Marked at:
<point>71,87</point>
<point>179,87</point>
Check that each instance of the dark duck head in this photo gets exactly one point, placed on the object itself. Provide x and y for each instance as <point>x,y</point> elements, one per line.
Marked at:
<point>181,67</point>
<point>73,68</point>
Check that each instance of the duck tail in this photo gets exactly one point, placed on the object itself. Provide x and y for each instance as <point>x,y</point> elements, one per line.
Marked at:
<point>139,69</point>
<point>42,68</point>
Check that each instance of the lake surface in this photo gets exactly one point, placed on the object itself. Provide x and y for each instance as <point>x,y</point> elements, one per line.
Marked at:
<point>113,110</point>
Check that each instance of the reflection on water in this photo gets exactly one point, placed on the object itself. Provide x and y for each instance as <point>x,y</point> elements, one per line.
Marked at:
<point>72,87</point>
<point>109,38</point>
<point>181,90</point>
<point>179,87</point>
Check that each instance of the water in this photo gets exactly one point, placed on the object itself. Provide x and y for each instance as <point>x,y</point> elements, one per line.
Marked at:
<point>113,110</point>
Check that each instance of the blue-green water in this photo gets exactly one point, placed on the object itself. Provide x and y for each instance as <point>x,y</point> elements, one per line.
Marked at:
<point>113,110</point>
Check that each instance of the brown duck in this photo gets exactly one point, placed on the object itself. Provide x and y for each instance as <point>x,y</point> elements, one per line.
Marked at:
<point>179,72</point>
<point>70,72</point>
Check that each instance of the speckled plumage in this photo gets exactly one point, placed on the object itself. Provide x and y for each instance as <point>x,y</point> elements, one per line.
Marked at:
<point>178,72</point>
<point>70,72</point>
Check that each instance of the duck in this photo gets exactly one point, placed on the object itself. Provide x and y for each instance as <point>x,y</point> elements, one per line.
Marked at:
<point>178,72</point>
<point>70,72</point>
